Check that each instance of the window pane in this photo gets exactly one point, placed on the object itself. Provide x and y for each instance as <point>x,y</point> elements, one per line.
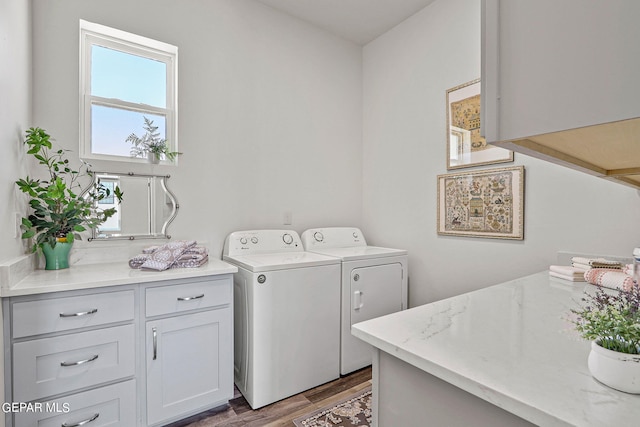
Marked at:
<point>128,77</point>
<point>110,128</point>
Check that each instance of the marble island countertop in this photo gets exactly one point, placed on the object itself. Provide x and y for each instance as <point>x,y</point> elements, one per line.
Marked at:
<point>86,276</point>
<point>511,345</point>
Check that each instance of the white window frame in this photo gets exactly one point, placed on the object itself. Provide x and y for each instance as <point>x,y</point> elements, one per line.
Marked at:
<point>95,34</point>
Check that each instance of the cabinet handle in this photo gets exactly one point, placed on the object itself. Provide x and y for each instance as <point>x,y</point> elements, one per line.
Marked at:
<point>155,343</point>
<point>79,362</point>
<point>81,423</point>
<point>82,313</point>
<point>190,298</point>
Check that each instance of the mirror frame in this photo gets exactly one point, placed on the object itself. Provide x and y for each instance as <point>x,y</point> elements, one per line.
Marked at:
<point>165,227</point>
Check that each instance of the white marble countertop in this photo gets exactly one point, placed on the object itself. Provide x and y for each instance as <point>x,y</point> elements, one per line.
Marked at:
<point>88,276</point>
<point>511,345</point>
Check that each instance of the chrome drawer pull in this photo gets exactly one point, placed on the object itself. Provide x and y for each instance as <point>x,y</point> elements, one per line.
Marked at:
<point>190,298</point>
<point>83,313</point>
<point>81,423</point>
<point>79,362</point>
<point>155,343</point>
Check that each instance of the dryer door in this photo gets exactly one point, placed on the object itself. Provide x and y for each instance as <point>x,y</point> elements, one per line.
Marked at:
<point>375,291</point>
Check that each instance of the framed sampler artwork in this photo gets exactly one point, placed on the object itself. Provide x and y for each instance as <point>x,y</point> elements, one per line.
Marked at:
<point>465,146</point>
<point>487,203</point>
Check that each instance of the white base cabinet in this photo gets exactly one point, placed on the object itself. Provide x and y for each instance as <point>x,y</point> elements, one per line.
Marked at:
<point>188,362</point>
<point>131,355</point>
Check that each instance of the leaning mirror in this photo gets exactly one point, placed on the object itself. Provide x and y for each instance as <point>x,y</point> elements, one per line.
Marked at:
<point>145,212</point>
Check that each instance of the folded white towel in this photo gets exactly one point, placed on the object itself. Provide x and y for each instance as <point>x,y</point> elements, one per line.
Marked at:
<point>609,278</point>
<point>628,269</point>
<point>565,277</point>
<point>566,270</point>
<point>596,262</point>
<point>583,267</point>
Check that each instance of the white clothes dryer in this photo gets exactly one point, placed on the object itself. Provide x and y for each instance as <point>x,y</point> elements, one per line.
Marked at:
<point>286,315</point>
<point>374,283</point>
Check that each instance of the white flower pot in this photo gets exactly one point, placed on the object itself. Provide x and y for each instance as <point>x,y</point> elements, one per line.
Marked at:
<point>153,158</point>
<point>620,371</point>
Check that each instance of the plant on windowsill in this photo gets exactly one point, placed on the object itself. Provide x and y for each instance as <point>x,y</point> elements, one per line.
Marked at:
<point>611,320</point>
<point>59,211</point>
<point>150,144</point>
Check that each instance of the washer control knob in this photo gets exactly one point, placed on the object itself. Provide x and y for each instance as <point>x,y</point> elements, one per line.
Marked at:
<point>262,278</point>
<point>318,236</point>
<point>355,235</point>
<point>243,240</point>
<point>287,238</point>
<point>254,240</point>
<point>356,277</point>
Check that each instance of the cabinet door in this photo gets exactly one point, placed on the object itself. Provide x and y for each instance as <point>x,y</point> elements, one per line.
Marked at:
<point>189,364</point>
<point>552,65</point>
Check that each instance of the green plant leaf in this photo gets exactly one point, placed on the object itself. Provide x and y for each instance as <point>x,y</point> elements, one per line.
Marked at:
<point>28,234</point>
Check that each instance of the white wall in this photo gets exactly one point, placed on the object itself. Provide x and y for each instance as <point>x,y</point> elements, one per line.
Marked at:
<point>406,74</point>
<point>15,90</point>
<point>269,110</point>
<point>15,111</point>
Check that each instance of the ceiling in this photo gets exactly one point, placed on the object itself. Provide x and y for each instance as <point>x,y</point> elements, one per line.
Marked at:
<point>357,20</point>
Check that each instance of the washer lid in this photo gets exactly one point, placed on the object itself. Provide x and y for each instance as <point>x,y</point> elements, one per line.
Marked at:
<point>361,252</point>
<point>280,261</point>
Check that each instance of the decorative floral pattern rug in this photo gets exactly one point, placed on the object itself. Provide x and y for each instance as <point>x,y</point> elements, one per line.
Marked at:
<point>352,411</point>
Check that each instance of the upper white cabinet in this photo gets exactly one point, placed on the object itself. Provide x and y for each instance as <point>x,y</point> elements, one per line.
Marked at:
<point>550,66</point>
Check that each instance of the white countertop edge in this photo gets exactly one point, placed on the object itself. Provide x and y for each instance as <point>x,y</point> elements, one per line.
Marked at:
<point>91,276</point>
<point>491,395</point>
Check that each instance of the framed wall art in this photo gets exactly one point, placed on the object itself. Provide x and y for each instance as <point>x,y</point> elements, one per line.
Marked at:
<point>486,203</point>
<point>465,146</point>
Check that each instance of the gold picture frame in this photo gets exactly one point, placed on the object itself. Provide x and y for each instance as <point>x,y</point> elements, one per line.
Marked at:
<point>465,146</point>
<point>487,203</point>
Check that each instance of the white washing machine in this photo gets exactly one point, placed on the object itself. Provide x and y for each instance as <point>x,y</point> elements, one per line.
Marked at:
<point>374,283</point>
<point>286,315</point>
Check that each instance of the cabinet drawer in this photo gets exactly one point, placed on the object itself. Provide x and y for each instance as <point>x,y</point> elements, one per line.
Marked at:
<point>62,364</point>
<point>113,405</point>
<point>61,314</point>
<point>190,296</point>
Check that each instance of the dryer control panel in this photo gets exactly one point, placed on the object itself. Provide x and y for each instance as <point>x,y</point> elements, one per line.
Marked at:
<point>333,237</point>
<point>262,242</point>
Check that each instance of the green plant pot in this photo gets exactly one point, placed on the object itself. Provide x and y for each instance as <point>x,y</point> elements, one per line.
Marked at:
<point>56,258</point>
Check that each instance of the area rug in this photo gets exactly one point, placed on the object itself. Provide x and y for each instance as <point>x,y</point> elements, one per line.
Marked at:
<point>355,410</point>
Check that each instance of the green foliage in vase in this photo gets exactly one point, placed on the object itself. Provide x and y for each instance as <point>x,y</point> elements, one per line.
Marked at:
<point>59,209</point>
<point>150,142</point>
<point>612,319</point>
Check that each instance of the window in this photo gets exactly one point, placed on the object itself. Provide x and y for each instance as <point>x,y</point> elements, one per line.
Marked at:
<point>124,78</point>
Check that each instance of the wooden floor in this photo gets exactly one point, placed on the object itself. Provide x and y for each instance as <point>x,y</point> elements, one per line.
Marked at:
<point>239,414</point>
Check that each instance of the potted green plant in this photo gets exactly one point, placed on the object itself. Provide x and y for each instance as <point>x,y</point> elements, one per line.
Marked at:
<point>611,320</point>
<point>150,144</point>
<point>59,209</point>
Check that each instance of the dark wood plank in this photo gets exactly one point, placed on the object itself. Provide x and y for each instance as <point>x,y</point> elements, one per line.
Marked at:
<point>337,386</point>
<point>238,413</point>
